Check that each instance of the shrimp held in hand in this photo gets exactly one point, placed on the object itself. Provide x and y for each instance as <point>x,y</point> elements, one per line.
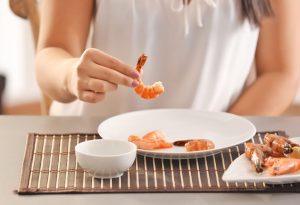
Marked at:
<point>147,91</point>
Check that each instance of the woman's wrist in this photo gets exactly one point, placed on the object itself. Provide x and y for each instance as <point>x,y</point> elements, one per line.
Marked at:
<point>69,87</point>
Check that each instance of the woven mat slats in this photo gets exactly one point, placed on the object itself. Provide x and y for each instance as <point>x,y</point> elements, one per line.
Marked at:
<point>50,167</point>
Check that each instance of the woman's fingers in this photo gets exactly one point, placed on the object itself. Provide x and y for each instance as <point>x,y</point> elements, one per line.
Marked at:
<point>99,86</point>
<point>97,73</point>
<point>93,90</point>
<point>112,76</point>
<point>90,96</point>
<point>113,63</point>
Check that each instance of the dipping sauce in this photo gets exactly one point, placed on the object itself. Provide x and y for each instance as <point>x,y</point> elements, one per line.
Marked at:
<point>181,143</point>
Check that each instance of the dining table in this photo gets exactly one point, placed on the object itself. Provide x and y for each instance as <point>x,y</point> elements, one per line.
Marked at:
<point>14,131</point>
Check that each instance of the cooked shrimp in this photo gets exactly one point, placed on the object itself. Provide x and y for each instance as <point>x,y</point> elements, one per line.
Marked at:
<point>199,145</point>
<point>258,153</point>
<point>147,91</point>
<point>147,144</point>
<point>155,135</point>
<point>279,144</point>
<point>152,140</point>
<point>268,151</point>
<point>272,155</point>
<point>256,156</point>
<point>142,143</point>
<point>280,166</point>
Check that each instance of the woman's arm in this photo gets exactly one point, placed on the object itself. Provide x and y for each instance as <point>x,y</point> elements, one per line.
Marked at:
<point>64,69</point>
<point>277,62</point>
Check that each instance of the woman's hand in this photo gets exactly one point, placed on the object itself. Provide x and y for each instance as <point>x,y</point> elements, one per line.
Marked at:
<point>97,73</point>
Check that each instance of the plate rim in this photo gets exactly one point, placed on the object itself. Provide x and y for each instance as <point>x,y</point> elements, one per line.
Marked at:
<point>185,155</point>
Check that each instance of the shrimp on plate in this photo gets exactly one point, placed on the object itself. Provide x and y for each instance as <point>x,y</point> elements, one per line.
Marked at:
<point>278,155</point>
<point>280,166</point>
<point>279,144</point>
<point>199,145</point>
<point>151,141</point>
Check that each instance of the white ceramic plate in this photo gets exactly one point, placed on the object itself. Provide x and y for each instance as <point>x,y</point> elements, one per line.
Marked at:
<point>224,129</point>
<point>240,171</point>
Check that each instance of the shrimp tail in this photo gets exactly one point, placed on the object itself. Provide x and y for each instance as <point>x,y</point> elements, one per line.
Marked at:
<point>141,62</point>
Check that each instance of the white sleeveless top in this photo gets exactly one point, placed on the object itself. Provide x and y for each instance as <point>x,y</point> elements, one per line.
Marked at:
<point>202,53</point>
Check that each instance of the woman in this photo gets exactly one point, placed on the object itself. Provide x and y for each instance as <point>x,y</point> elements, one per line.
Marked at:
<point>202,51</point>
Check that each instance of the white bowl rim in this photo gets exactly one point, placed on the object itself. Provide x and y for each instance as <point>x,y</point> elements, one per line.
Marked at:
<point>134,149</point>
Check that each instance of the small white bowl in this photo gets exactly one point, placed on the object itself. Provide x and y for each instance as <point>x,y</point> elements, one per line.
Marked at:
<point>106,158</point>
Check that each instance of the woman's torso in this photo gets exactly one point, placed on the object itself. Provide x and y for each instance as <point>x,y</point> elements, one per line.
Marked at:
<point>201,67</point>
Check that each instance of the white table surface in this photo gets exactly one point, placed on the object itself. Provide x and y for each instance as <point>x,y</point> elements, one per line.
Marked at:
<point>13,131</point>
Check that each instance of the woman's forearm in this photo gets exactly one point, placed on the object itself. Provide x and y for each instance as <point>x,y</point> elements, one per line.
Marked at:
<point>269,95</point>
<point>53,69</point>
<point>277,63</point>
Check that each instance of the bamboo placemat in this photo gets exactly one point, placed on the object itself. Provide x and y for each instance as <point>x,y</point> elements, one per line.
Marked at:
<point>50,167</point>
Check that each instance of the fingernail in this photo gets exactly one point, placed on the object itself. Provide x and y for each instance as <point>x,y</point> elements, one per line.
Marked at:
<point>135,74</point>
<point>134,83</point>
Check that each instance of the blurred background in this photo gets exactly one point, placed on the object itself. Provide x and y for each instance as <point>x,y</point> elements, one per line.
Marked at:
<point>19,93</point>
